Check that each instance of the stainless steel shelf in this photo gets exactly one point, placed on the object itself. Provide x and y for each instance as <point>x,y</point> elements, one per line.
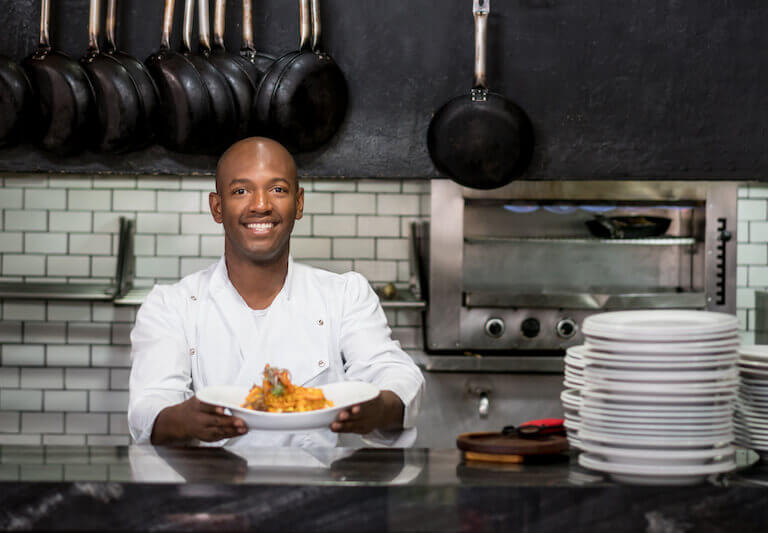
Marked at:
<point>56,291</point>
<point>656,241</point>
<point>20,290</point>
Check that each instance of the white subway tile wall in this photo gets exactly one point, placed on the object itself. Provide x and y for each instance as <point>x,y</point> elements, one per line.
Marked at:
<point>64,366</point>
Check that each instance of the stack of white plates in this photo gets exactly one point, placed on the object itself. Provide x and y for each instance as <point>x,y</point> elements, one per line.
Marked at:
<point>658,395</point>
<point>751,419</point>
<point>571,396</point>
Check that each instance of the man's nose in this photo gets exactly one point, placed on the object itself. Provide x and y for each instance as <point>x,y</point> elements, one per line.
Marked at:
<point>261,202</point>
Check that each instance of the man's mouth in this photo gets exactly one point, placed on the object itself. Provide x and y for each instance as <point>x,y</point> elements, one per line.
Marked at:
<point>260,228</point>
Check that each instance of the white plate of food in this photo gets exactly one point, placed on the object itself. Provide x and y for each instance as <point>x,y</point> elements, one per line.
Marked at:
<point>342,394</point>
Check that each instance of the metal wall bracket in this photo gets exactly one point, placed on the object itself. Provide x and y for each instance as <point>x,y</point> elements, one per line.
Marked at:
<point>19,290</point>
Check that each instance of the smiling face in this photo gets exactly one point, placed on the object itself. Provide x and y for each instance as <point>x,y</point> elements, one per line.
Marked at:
<point>257,199</point>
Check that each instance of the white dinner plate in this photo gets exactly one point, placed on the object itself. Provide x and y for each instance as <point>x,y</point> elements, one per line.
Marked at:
<point>660,325</point>
<point>669,391</point>
<point>645,456</point>
<point>602,437</point>
<point>750,371</point>
<point>661,365</point>
<point>648,409</point>
<point>656,474</point>
<point>650,376</point>
<point>724,432</point>
<point>342,394</point>
<point>757,352</point>
<point>760,365</point>
<point>715,347</point>
<point>633,426</point>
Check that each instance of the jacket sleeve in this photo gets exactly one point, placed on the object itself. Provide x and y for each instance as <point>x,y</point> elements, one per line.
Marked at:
<point>371,355</point>
<point>161,371</point>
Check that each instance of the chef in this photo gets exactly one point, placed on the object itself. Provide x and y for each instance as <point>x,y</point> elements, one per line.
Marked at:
<point>256,306</point>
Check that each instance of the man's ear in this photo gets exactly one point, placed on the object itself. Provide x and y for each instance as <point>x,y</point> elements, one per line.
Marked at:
<point>300,203</point>
<point>214,202</point>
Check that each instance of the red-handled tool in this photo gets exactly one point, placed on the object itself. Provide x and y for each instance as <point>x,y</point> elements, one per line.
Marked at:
<point>537,428</point>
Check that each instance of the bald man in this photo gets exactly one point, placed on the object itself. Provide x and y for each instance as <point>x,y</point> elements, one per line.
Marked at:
<point>256,306</point>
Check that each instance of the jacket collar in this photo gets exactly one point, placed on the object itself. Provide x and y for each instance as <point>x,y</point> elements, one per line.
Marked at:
<point>220,279</point>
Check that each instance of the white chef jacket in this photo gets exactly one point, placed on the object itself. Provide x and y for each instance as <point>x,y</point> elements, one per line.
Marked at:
<point>323,327</point>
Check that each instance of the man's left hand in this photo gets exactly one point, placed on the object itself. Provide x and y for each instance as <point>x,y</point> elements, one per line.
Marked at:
<point>384,412</point>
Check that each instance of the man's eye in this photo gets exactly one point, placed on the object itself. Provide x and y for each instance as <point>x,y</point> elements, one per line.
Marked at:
<point>280,189</point>
<point>239,191</point>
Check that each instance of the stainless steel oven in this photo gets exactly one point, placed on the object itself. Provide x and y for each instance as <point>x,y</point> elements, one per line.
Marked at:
<point>514,271</point>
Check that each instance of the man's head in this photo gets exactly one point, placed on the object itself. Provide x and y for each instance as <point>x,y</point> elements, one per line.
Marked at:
<point>257,199</point>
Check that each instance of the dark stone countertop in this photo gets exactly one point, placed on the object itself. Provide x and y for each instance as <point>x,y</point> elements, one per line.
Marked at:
<point>331,489</point>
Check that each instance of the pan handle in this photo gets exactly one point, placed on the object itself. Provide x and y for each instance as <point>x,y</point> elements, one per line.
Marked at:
<point>305,25</point>
<point>189,21</point>
<point>45,18</point>
<point>165,39</point>
<point>480,10</point>
<point>204,23</point>
<point>110,26</point>
<point>316,25</point>
<point>219,23</point>
<point>94,18</point>
<point>247,43</point>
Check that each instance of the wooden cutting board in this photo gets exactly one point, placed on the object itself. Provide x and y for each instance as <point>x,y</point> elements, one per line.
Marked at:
<point>497,447</point>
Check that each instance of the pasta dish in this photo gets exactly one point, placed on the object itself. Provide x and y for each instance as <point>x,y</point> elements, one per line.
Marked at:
<point>278,395</point>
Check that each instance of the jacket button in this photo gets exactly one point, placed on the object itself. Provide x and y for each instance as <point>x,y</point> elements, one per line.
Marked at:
<point>192,351</point>
<point>321,363</point>
<point>320,322</point>
<point>194,298</point>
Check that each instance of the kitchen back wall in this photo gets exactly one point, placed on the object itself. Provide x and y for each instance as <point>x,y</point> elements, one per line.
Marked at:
<point>64,366</point>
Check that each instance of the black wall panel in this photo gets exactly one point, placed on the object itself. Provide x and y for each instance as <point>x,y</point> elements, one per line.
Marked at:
<point>615,89</point>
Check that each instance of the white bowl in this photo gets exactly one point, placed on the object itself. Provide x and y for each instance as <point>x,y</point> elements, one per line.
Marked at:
<point>343,394</point>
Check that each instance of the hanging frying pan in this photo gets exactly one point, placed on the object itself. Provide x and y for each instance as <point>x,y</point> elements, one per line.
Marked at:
<point>481,139</point>
<point>302,98</point>
<point>221,131</point>
<point>64,107</point>
<point>258,62</point>
<point>147,90</point>
<point>236,71</point>
<point>184,105</point>
<point>15,101</point>
<point>118,104</point>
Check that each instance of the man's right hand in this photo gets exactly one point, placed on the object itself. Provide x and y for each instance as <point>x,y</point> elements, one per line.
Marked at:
<point>193,419</point>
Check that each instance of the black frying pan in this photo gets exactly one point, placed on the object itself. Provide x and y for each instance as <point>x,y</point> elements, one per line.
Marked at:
<point>236,71</point>
<point>302,98</point>
<point>184,106</point>
<point>147,90</point>
<point>221,131</point>
<point>481,139</point>
<point>118,104</point>
<point>64,107</point>
<point>15,100</point>
<point>628,227</point>
<point>258,62</point>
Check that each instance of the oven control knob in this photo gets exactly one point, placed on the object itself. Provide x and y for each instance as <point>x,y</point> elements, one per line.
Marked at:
<point>566,328</point>
<point>530,327</point>
<point>494,327</point>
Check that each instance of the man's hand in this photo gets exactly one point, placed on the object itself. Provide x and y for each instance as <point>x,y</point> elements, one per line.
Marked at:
<point>384,412</point>
<point>193,419</point>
